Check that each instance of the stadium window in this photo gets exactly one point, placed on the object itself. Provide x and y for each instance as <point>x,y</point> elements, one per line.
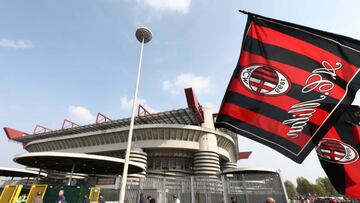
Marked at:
<point>165,164</point>
<point>157,164</point>
<point>151,164</point>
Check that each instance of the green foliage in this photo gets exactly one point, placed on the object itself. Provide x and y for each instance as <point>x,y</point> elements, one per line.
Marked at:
<point>290,189</point>
<point>322,187</point>
<point>327,186</point>
<point>317,190</point>
<point>303,186</point>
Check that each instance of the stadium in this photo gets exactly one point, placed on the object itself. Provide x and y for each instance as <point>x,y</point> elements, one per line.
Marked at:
<point>181,150</point>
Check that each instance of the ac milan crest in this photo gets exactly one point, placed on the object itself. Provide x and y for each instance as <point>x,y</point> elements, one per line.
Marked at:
<point>264,80</point>
<point>335,151</point>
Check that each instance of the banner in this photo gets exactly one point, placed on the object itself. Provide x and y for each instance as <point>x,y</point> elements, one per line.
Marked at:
<point>339,152</point>
<point>284,76</point>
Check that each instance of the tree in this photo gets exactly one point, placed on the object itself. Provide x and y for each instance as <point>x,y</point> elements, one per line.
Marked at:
<point>304,186</point>
<point>318,190</point>
<point>290,189</point>
<point>327,186</point>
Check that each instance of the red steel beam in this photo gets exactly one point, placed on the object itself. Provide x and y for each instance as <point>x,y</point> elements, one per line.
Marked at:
<point>244,155</point>
<point>194,104</point>
<point>68,124</point>
<point>42,129</point>
<point>13,133</point>
<point>142,111</point>
<point>101,118</point>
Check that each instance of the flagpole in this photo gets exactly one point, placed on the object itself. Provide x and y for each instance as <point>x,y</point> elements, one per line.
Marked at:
<point>143,35</point>
<point>244,12</point>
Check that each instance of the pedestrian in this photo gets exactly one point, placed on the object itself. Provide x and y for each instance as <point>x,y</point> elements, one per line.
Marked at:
<point>86,199</point>
<point>148,198</point>
<point>21,199</point>
<point>176,199</point>
<point>293,200</point>
<point>142,198</point>
<point>332,200</point>
<point>101,199</point>
<point>233,200</point>
<point>38,198</point>
<point>310,198</point>
<point>153,200</point>
<point>270,200</point>
<point>61,197</point>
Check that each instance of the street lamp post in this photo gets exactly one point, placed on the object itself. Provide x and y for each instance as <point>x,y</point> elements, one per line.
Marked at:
<point>143,35</point>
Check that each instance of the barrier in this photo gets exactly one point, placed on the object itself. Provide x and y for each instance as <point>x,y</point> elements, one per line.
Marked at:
<point>34,190</point>
<point>10,193</point>
<point>94,194</point>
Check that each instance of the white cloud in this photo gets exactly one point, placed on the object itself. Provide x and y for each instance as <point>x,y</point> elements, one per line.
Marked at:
<point>80,115</point>
<point>126,104</point>
<point>200,84</point>
<point>16,44</point>
<point>181,6</point>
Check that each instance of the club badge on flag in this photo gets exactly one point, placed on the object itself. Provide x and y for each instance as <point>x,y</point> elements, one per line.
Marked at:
<point>284,76</point>
<point>339,150</point>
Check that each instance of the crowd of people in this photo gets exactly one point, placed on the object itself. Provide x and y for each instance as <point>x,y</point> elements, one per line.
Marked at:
<point>313,199</point>
<point>60,199</point>
<point>151,199</point>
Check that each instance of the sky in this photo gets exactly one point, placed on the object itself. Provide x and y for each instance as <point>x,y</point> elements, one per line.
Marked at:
<point>74,58</point>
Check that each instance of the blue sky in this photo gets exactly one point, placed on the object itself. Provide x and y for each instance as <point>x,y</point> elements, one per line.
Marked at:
<point>74,58</point>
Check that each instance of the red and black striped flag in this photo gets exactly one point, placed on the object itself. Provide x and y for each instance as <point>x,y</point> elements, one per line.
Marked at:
<point>339,152</point>
<point>285,73</point>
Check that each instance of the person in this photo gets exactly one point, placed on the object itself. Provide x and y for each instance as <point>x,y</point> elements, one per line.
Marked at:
<point>270,200</point>
<point>153,200</point>
<point>176,199</point>
<point>293,200</point>
<point>86,199</point>
<point>101,199</point>
<point>332,200</point>
<point>21,199</point>
<point>233,200</point>
<point>38,198</point>
<point>310,198</point>
<point>142,198</point>
<point>61,197</point>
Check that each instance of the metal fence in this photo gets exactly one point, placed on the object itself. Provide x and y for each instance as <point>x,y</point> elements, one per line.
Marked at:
<point>246,188</point>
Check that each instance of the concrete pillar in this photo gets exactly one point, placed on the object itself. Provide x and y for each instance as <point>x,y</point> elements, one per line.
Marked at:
<point>139,156</point>
<point>225,166</point>
<point>206,160</point>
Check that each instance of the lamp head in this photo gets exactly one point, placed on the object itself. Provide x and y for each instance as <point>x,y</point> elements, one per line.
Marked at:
<point>143,33</point>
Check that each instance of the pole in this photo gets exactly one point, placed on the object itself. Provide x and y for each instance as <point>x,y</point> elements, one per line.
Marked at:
<point>192,189</point>
<point>38,176</point>
<point>282,185</point>
<point>131,129</point>
<point>225,188</point>
<point>71,174</point>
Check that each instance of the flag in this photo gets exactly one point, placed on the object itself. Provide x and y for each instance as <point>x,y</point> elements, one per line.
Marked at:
<point>285,73</point>
<point>339,150</point>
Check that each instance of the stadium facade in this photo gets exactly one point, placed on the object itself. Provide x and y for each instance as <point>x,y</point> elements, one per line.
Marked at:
<point>175,143</point>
